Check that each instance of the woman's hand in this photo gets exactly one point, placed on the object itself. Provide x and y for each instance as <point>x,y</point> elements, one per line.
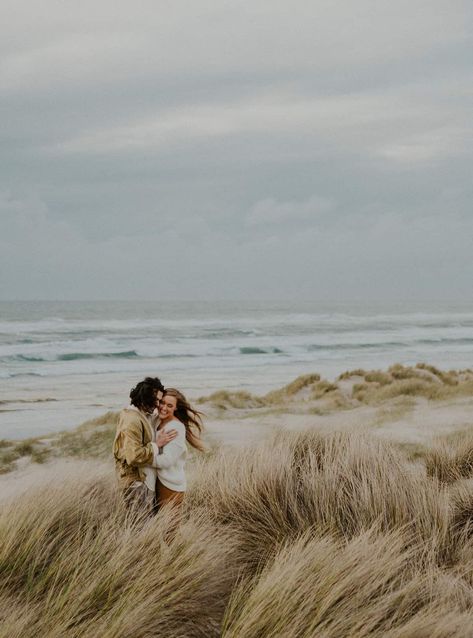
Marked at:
<point>163,437</point>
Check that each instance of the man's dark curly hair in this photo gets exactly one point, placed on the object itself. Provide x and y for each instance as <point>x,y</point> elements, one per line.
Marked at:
<point>143,395</point>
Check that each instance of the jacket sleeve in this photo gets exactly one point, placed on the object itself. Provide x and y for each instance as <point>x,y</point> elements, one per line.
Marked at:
<point>173,450</point>
<point>133,451</point>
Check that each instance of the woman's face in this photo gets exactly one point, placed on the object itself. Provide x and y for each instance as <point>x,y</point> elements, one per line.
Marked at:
<point>167,407</point>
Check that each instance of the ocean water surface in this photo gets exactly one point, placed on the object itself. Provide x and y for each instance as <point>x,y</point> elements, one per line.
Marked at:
<point>64,362</point>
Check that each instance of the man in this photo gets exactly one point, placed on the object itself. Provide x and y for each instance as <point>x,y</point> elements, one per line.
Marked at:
<point>136,444</point>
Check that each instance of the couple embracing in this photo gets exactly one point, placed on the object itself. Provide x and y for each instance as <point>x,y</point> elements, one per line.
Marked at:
<point>150,446</point>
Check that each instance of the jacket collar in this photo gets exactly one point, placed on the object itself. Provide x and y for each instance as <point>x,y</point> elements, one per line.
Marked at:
<point>147,418</point>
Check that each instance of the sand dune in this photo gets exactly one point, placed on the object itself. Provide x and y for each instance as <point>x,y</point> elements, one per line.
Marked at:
<point>406,405</point>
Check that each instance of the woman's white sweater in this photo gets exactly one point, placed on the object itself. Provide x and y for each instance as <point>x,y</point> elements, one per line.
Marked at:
<point>170,464</point>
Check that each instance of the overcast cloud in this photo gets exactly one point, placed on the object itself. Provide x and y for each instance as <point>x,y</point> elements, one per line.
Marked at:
<point>304,149</point>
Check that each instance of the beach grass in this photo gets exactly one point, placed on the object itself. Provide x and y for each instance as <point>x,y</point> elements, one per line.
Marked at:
<point>303,534</point>
<point>450,458</point>
<point>92,439</point>
<point>373,387</point>
<point>420,381</point>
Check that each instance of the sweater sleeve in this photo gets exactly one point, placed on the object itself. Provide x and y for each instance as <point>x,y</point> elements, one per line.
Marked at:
<point>173,450</point>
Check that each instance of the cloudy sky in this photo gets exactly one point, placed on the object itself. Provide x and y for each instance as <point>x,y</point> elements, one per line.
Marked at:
<point>229,149</point>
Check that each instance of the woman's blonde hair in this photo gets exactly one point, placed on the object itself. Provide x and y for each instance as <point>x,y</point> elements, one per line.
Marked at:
<point>190,417</point>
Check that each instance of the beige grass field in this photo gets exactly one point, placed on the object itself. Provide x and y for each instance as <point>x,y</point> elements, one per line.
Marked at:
<point>325,509</point>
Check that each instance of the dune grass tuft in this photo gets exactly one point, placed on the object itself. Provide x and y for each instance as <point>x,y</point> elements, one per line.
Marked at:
<point>90,439</point>
<point>12,451</point>
<point>293,388</point>
<point>422,381</point>
<point>370,586</point>
<point>84,569</point>
<point>322,388</point>
<point>450,458</point>
<point>349,374</point>
<point>223,399</point>
<point>344,483</point>
<point>377,376</point>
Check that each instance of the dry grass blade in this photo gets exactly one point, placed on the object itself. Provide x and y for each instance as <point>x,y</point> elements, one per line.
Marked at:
<point>371,587</point>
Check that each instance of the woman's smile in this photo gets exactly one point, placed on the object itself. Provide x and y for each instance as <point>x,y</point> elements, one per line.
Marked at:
<point>167,406</point>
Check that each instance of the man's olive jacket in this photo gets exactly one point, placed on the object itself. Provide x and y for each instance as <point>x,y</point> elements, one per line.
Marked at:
<point>133,446</point>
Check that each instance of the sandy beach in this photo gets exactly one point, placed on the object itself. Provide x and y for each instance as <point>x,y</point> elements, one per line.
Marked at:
<point>237,419</point>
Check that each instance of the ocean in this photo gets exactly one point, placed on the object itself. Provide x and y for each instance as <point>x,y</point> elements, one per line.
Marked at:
<point>62,363</point>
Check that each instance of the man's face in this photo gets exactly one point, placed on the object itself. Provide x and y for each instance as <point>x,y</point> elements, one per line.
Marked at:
<point>159,396</point>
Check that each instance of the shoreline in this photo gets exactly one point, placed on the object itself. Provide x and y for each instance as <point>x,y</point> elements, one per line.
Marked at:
<point>62,365</point>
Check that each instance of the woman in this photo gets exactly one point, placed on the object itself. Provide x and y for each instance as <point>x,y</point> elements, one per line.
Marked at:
<point>177,414</point>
